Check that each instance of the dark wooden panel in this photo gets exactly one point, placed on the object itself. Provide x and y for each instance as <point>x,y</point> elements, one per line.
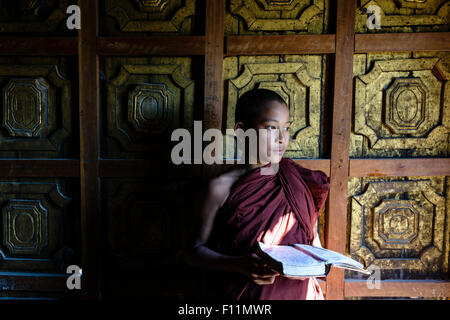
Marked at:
<point>134,129</point>
<point>146,168</point>
<point>38,46</point>
<point>35,18</point>
<point>399,167</point>
<point>340,143</point>
<point>152,46</point>
<point>429,41</point>
<point>295,44</point>
<point>148,224</point>
<point>39,168</point>
<point>89,145</point>
<point>37,107</point>
<point>16,281</point>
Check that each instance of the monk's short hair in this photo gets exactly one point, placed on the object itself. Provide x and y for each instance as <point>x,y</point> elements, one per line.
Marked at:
<point>250,104</point>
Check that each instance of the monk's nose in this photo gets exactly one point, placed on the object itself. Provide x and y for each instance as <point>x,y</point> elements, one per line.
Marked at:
<point>280,136</point>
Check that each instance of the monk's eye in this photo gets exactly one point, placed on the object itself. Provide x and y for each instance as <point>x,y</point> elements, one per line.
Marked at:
<point>271,127</point>
<point>286,129</point>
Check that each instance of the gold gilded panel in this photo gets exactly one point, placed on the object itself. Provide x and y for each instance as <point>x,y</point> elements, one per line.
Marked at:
<point>297,78</point>
<point>404,15</point>
<point>150,106</point>
<point>34,16</point>
<point>401,105</point>
<point>154,16</point>
<point>36,110</point>
<point>282,17</point>
<point>152,5</point>
<point>35,215</point>
<point>400,225</point>
<point>146,100</point>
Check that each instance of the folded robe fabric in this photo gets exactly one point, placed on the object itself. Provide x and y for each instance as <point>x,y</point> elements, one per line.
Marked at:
<point>279,208</point>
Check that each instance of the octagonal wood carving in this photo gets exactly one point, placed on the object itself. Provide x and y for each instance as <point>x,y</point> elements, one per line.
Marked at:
<point>25,107</point>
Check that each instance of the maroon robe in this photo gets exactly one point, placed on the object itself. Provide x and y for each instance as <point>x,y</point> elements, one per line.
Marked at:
<point>255,206</point>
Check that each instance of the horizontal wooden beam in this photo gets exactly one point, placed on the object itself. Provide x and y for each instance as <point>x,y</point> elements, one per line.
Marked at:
<point>39,168</point>
<point>146,168</point>
<point>390,42</point>
<point>235,45</point>
<point>52,46</point>
<point>312,164</point>
<point>110,168</point>
<point>398,288</point>
<point>282,44</point>
<point>17,281</point>
<point>399,167</point>
<point>315,164</point>
<point>152,46</point>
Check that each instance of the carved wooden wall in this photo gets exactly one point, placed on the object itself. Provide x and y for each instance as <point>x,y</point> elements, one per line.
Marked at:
<point>85,170</point>
<point>39,120</point>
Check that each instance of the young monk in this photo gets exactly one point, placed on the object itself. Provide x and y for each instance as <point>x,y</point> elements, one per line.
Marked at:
<point>243,206</point>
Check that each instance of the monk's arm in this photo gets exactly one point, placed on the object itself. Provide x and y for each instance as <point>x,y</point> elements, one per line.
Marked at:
<point>202,256</point>
<point>206,208</point>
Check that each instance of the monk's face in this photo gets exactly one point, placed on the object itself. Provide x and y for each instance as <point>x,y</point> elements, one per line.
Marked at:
<point>274,119</point>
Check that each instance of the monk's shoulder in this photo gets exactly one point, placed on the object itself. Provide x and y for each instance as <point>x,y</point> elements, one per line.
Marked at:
<point>219,187</point>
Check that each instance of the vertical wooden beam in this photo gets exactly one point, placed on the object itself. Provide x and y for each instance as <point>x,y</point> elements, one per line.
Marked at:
<point>339,165</point>
<point>89,145</point>
<point>214,38</point>
<point>214,51</point>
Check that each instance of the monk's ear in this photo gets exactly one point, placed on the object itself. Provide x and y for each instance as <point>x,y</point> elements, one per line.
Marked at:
<point>239,125</point>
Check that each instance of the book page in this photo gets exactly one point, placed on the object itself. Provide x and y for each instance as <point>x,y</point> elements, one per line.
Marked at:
<point>290,256</point>
<point>294,261</point>
<point>329,256</point>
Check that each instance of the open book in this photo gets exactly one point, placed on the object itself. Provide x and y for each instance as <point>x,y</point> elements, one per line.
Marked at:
<point>302,261</point>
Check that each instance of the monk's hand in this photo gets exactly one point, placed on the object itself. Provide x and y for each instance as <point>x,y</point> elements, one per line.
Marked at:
<point>257,270</point>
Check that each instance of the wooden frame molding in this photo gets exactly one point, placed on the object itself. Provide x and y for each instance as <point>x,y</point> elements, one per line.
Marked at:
<point>263,45</point>
<point>213,73</point>
<point>146,168</point>
<point>397,288</point>
<point>336,215</point>
<point>215,18</point>
<point>89,153</point>
<point>56,46</point>
<point>234,45</point>
<point>36,282</point>
<point>399,167</point>
<point>388,42</point>
<point>152,46</point>
<point>39,168</point>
